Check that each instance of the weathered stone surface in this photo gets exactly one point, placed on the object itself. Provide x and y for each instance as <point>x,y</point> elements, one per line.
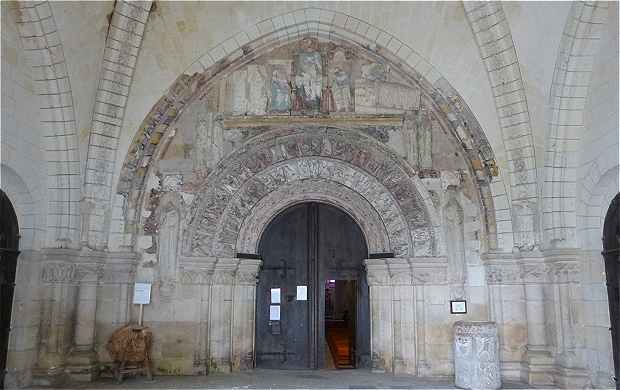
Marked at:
<point>375,231</point>
<point>342,156</point>
<point>476,355</point>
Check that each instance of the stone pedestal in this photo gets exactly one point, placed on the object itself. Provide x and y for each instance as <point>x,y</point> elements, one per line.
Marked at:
<point>476,355</point>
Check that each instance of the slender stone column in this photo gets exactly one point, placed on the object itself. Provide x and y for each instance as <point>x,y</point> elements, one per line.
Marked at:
<point>220,341</point>
<point>403,316</point>
<point>82,363</point>
<point>539,360</point>
<point>244,304</point>
<point>382,335</point>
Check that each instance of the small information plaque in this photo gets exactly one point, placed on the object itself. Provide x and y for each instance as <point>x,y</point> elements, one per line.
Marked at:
<point>142,293</point>
<point>274,313</point>
<point>275,295</point>
<point>302,293</point>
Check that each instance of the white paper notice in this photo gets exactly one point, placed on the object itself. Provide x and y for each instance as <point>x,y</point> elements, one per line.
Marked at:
<point>142,294</point>
<point>275,295</point>
<point>302,293</point>
<point>274,313</point>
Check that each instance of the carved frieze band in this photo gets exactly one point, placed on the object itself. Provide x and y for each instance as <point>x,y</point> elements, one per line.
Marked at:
<point>378,238</point>
<point>70,273</point>
<point>540,272</point>
<point>283,156</point>
<point>225,271</point>
<point>406,271</point>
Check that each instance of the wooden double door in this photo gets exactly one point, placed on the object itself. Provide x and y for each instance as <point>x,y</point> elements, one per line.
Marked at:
<point>304,247</point>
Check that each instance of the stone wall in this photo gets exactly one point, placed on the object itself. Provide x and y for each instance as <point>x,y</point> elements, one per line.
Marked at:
<point>308,105</point>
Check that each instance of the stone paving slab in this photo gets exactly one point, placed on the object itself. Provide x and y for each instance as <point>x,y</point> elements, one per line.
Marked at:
<point>284,379</point>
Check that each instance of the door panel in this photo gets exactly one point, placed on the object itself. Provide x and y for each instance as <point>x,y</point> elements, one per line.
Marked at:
<point>306,245</point>
<point>341,252</point>
<point>284,344</point>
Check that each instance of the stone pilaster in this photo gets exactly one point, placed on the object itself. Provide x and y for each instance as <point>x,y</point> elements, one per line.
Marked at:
<point>82,362</point>
<point>564,279</point>
<point>393,309</point>
<point>403,316</point>
<point>198,272</point>
<point>222,289</point>
<point>244,307</point>
<point>507,299</point>
<point>382,336</point>
<point>539,362</point>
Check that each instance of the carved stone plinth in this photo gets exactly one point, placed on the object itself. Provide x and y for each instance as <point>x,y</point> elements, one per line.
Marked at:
<point>476,355</point>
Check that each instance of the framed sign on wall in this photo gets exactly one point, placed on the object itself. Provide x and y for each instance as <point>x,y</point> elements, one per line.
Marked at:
<point>458,307</point>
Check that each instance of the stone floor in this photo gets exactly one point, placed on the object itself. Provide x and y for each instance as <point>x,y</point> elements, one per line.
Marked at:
<point>281,379</point>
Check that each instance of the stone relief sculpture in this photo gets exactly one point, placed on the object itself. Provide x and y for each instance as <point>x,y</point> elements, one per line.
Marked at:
<point>168,243</point>
<point>208,140</point>
<point>453,226</point>
<point>281,87</point>
<point>418,132</point>
<point>309,74</point>
<point>340,80</point>
<point>257,90</point>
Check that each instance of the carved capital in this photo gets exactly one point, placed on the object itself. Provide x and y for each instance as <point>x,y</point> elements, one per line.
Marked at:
<point>225,271</point>
<point>429,275</point>
<point>377,272</point>
<point>60,273</point>
<point>400,272</point>
<point>195,276</point>
<point>534,273</point>
<point>247,272</point>
<point>503,273</point>
<point>565,272</point>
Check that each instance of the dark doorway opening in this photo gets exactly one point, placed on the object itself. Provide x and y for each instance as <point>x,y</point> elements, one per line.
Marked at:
<point>9,244</point>
<point>611,254</point>
<point>340,319</point>
<point>304,246</point>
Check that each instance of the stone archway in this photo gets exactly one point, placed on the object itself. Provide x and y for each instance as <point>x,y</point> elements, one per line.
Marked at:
<point>234,170</point>
<point>342,156</point>
<point>315,190</point>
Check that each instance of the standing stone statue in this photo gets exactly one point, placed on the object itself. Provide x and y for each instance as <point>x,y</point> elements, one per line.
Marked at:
<point>453,222</point>
<point>168,242</point>
<point>476,355</point>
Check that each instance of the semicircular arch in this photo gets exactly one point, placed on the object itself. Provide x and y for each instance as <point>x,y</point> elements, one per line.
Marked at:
<point>357,207</point>
<point>456,117</point>
<point>281,156</point>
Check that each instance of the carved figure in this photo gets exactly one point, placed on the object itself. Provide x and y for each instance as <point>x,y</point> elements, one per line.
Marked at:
<point>168,243</point>
<point>209,138</point>
<point>308,78</point>
<point>296,97</point>
<point>453,217</point>
<point>281,97</point>
<point>327,100</point>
